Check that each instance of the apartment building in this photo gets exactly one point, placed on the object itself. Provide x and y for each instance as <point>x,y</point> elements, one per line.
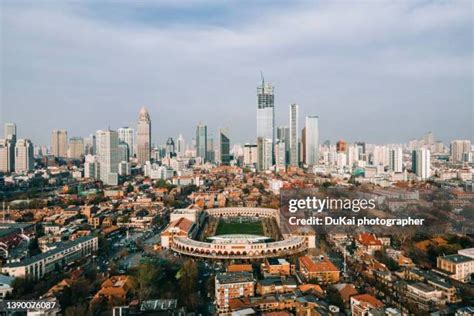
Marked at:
<point>233,285</point>
<point>456,266</point>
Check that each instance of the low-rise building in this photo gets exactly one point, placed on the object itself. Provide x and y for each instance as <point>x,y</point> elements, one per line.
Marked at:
<point>276,285</point>
<point>456,266</point>
<point>34,268</point>
<point>322,270</point>
<point>277,267</point>
<point>363,304</point>
<point>425,296</point>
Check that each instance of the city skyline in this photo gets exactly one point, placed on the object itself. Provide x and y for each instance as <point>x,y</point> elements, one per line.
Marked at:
<point>391,79</point>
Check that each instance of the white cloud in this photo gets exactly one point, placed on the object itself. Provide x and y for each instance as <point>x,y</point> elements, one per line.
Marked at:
<point>335,59</point>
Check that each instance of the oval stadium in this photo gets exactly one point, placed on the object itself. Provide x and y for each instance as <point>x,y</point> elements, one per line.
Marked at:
<point>232,233</point>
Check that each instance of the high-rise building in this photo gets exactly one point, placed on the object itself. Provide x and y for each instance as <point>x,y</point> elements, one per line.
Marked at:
<point>361,151</point>
<point>294,135</point>
<point>380,156</point>
<point>250,155</point>
<point>143,136</point>
<point>181,146</point>
<point>211,152</point>
<point>107,142</point>
<point>7,156</point>
<point>312,140</point>
<point>303,146</point>
<point>201,141</point>
<point>421,164</point>
<point>10,132</point>
<point>428,139</point>
<point>280,155</point>
<point>264,153</point>
<point>123,151</point>
<point>170,149</point>
<point>459,148</point>
<point>59,143</point>
<point>90,145</point>
<point>76,147</point>
<point>283,136</point>
<point>266,112</point>
<point>126,135</point>
<point>91,167</point>
<point>224,146</point>
<point>395,163</point>
<point>24,156</point>
<point>10,136</point>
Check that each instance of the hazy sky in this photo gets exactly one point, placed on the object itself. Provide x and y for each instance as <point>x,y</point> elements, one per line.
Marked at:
<point>374,71</point>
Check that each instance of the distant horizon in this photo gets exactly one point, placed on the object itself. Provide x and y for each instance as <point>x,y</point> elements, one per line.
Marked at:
<point>405,71</point>
<point>211,135</point>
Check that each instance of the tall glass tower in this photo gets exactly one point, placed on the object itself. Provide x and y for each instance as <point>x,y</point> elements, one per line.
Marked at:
<point>201,141</point>
<point>143,136</point>
<point>294,161</point>
<point>312,140</point>
<point>224,146</point>
<point>266,112</point>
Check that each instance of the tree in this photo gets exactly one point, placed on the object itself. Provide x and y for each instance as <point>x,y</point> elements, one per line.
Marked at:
<point>391,264</point>
<point>104,246</point>
<point>188,281</point>
<point>76,310</point>
<point>147,276</point>
<point>21,287</point>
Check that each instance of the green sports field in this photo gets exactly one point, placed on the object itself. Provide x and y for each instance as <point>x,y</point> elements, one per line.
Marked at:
<point>227,227</point>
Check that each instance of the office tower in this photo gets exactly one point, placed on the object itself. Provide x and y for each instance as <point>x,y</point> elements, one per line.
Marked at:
<point>10,135</point>
<point>107,142</point>
<point>10,132</point>
<point>361,151</point>
<point>90,145</point>
<point>180,146</point>
<point>312,140</point>
<point>76,147</point>
<point>280,155</point>
<point>224,146</point>
<point>143,136</point>
<point>266,112</point>
<point>352,155</point>
<point>458,148</point>
<point>439,147</point>
<point>283,135</point>
<point>211,153</point>
<point>59,143</point>
<point>421,164</point>
<point>341,146</point>
<point>38,151</point>
<point>24,156</point>
<point>428,139</point>
<point>303,146</point>
<point>7,156</point>
<point>396,159</point>
<point>126,135</point>
<point>294,135</point>
<point>264,153</point>
<point>123,151</point>
<point>250,154</point>
<point>170,149</point>
<point>201,141</point>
